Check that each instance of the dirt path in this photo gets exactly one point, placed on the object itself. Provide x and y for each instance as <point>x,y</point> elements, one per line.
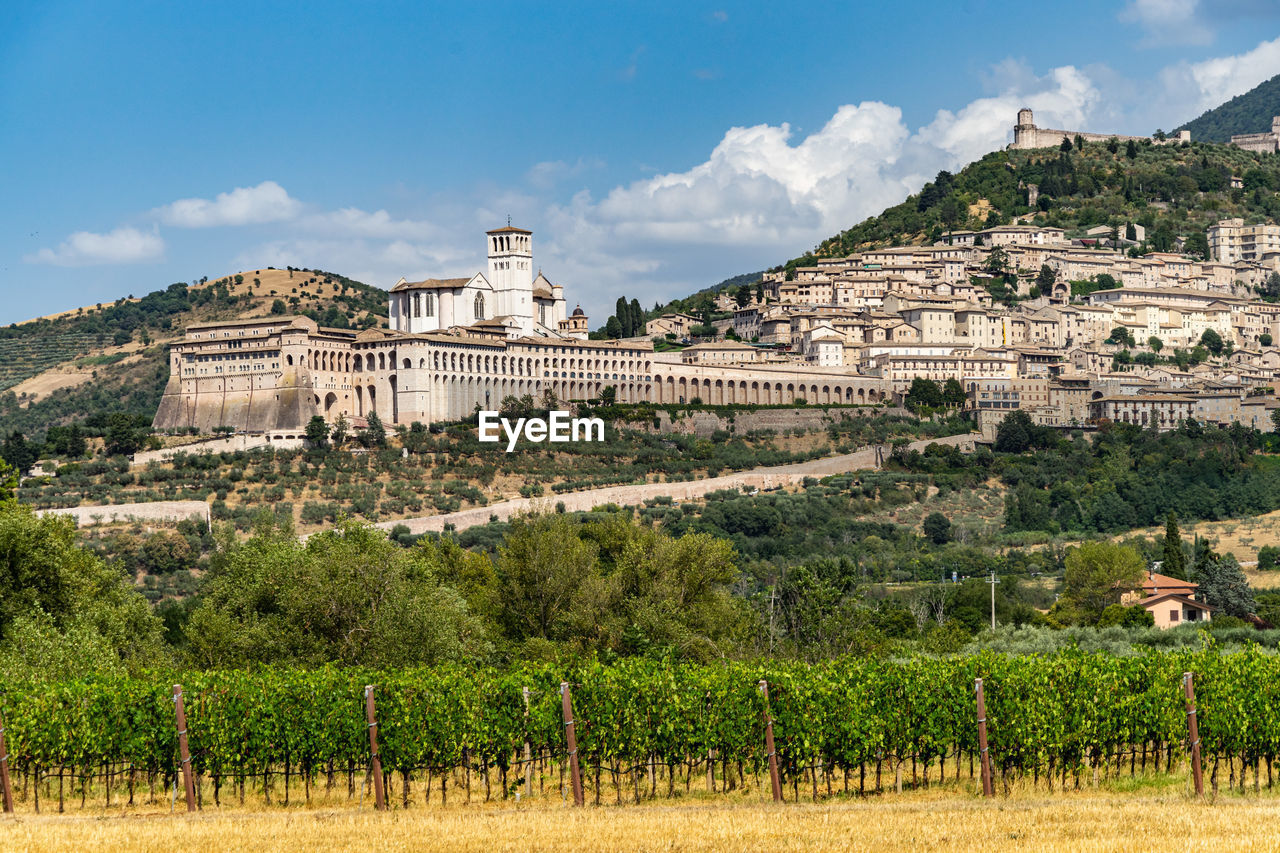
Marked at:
<point>759,478</point>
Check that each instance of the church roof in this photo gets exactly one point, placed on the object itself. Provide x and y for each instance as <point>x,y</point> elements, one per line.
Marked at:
<point>431,284</point>
<point>508,229</point>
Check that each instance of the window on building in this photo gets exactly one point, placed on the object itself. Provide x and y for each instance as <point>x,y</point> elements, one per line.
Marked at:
<point>417,304</point>
<point>429,308</point>
<point>1173,616</point>
<point>479,306</point>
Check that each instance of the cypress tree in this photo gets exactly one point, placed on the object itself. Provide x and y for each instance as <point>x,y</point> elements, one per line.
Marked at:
<point>620,311</point>
<point>637,318</point>
<point>1174,564</point>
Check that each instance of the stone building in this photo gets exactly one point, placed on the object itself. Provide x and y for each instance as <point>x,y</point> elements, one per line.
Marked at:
<point>1027,135</point>
<point>510,297</point>
<point>1264,143</point>
<point>1231,241</point>
<point>1163,411</point>
<point>720,352</point>
<point>455,345</point>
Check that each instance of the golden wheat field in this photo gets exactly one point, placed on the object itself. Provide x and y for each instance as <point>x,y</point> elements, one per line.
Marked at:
<point>1154,818</point>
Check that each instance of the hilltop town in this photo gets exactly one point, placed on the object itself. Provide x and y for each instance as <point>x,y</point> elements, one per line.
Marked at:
<point>1072,328</point>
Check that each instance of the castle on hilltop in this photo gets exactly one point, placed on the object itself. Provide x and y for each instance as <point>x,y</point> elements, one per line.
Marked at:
<point>1027,135</point>
<point>1263,143</point>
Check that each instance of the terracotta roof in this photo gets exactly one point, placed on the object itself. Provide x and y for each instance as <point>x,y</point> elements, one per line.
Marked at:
<point>508,229</point>
<point>431,284</point>
<point>1156,581</point>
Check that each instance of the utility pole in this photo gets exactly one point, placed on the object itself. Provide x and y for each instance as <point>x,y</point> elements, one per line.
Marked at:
<point>994,580</point>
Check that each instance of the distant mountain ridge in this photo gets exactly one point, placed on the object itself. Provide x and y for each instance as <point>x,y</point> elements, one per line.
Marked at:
<point>1248,113</point>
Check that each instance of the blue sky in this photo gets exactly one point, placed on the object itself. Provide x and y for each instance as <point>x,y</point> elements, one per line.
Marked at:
<point>653,148</point>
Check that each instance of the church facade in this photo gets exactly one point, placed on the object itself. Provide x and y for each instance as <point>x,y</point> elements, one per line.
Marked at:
<point>509,298</point>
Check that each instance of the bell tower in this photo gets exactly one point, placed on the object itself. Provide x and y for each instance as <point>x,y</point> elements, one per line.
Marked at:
<point>511,274</point>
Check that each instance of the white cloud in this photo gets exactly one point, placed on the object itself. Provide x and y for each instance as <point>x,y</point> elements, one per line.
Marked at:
<point>769,194</point>
<point>764,194</point>
<point>373,261</point>
<point>125,245</point>
<point>548,173</point>
<point>1168,21</point>
<point>267,202</point>
<point>628,73</point>
<point>1197,86</point>
<point>1066,97</point>
<point>354,222</point>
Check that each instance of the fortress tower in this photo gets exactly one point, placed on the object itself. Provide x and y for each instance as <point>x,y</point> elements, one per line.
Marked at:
<point>1024,132</point>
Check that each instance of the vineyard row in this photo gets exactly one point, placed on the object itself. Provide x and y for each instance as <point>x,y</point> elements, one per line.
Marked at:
<point>1048,719</point>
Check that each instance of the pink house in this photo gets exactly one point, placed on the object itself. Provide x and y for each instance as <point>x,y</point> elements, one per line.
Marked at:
<point>1171,601</point>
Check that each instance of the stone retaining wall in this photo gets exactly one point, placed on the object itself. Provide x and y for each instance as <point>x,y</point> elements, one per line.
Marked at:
<point>760,478</point>
<point>153,511</point>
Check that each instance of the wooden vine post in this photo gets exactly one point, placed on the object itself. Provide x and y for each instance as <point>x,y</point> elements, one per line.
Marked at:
<point>528,751</point>
<point>188,784</point>
<point>371,715</point>
<point>1193,730</point>
<point>988,789</point>
<point>6,790</point>
<point>571,738</point>
<point>774,778</point>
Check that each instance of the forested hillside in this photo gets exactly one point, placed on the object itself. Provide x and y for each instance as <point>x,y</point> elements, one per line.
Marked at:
<point>1248,113</point>
<point>1173,191</point>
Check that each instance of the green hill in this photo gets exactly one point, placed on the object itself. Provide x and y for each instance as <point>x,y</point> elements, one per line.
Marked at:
<point>1248,113</point>
<point>1171,190</point>
<point>78,365</point>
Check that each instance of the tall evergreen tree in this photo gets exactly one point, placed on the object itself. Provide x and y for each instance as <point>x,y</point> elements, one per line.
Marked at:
<point>637,318</point>
<point>620,310</point>
<point>1174,564</point>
